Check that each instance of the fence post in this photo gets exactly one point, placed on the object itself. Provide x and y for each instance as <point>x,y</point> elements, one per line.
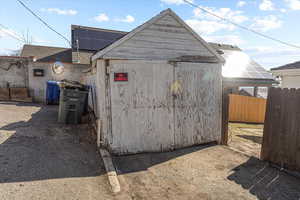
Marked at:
<point>225,116</point>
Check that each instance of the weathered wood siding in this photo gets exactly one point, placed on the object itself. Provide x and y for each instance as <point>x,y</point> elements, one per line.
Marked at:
<point>163,106</point>
<point>198,104</point>
<point>104,109</point>
<point>142,111</point>
<point>281,140</point>
<point>164,39</point>
<point>90,80</point>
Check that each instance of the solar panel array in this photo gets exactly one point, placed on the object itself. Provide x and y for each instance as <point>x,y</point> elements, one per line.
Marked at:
<point>239,65</point>
<point>93,39</point>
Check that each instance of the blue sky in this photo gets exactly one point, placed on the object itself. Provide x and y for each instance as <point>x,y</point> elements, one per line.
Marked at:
<point>276,18</point>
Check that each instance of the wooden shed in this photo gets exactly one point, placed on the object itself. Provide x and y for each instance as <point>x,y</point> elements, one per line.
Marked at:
<point>158,88</point>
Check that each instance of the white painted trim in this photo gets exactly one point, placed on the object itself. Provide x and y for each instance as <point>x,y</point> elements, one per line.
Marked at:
<point>110,171</point>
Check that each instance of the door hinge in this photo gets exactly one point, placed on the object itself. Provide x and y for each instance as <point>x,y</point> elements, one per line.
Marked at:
<point>107,70</point>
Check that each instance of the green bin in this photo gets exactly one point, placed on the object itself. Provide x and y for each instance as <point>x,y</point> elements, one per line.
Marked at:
<point>71,105</point>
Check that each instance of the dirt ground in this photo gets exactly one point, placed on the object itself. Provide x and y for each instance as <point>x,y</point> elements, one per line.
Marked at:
<point>41,159</point>
<point>246,138</point>
<point>204,172</point>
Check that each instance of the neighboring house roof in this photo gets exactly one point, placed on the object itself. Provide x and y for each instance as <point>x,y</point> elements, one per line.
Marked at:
<point>93,39</point>
<point>103,52</point>
<point>295,65</point>
<point>47,54</point>
<point>239,65</point>
<point>53,54</point>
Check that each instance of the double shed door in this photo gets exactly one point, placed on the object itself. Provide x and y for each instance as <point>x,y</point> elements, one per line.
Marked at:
<point>160,107</point>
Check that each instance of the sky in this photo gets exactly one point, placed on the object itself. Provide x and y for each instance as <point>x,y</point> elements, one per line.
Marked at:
<point>275,18</point>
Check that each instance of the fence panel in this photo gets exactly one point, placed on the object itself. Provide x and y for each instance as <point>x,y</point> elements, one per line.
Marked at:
<point>246,109</point>
<point>281,140</point>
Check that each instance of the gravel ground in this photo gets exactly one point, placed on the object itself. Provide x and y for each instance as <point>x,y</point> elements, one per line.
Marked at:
<point>41,159</point>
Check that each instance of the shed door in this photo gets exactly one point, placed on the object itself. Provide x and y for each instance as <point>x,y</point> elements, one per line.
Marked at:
<point>196,103</point>
<point>142,107</point>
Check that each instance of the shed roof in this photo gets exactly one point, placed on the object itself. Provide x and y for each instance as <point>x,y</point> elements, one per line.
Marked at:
<point>294,65</point>
<point>147,24</point>
<point>47,54</point>
<point>239,65</point>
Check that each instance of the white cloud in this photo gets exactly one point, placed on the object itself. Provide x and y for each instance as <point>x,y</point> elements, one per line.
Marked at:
<point>225,39</point>
<point>177,2</point>
<point>266,5</point>
<point>102,17</point>
<point>234,15</point>
<point>293,4</point>
<point>241,3</point>
<point>60,11</point>
<point>266,23</point>
<point>208,26</point>
<point>283,10</point>
<point>204,23</point>
<point>273,56</point>
<point>127,19</point>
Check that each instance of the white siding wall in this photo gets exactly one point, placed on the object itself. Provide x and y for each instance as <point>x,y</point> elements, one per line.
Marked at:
<point>290,81</point>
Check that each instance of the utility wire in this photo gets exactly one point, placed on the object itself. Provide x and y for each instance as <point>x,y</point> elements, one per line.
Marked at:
<point>16,37</point>
<point>241,26</point>
<point>45,23</point>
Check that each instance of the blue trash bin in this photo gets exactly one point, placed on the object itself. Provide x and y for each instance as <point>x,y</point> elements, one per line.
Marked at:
<point>52,93</point>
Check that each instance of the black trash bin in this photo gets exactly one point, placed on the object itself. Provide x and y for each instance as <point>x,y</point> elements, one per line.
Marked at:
<point>72,104</point>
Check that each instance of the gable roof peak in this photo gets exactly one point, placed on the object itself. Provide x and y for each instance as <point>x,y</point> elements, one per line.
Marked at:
<point>148,23</point>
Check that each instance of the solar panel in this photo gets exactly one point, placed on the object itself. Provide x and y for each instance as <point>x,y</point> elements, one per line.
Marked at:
<point>239,65</point>
<point>93,39</point>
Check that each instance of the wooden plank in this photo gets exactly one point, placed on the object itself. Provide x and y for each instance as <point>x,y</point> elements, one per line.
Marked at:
<point>281,140</point>
<point>166,35</point>
<point>246,109</point>
<point>163,40</point>
<point>17,93</point>
<point>197,107</point>
<point>276,113</point>
<point>266,143</point>
<point>283,134</point>
<point>4,94</point>
<point>225,116</point>
<point>296,152</point>
<point>143,53</point>
<point>142,108</point>
<point>103,108</point>
<point>167,44</point>
<point>291,137</point>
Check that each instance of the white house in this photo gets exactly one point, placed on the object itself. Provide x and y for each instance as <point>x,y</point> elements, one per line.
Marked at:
<point>289,75</point>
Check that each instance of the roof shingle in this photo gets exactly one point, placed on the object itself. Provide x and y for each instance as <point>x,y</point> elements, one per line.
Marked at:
<point>295,65</point>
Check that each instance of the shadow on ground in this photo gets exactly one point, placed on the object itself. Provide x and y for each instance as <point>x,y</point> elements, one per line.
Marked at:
<point>141,162</point>
<point>253,138</point>
<point>265,182</point>
<point>40,148</point>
